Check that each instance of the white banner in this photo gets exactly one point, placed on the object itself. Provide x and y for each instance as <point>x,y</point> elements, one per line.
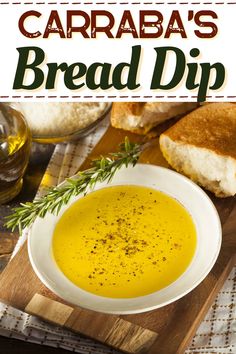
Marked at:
<point>66,51</point>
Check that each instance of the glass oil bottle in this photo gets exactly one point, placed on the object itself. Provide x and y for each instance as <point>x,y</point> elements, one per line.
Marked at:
<point>15,142</point>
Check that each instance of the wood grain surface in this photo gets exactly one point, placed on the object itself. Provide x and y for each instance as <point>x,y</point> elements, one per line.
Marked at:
<point>7,244</point>
<point>164,331</point>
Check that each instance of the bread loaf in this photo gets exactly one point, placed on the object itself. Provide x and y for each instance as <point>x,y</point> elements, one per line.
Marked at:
<point>202,145</point>
<point>141,117</point>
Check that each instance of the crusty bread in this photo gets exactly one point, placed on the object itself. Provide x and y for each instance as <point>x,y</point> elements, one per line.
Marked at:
<point>140,117</point>
<point>202,145</point>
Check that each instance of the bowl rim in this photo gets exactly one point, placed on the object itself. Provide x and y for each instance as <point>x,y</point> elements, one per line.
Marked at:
<point>55,290</point>
<point>80,133</point>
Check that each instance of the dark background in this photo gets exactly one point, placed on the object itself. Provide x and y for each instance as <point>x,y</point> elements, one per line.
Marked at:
<point>37,165</point>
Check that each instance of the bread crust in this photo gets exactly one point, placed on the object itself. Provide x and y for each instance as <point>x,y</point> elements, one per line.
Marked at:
<point>122,110</point>
<point>214,172</point>
<point>211,126</point>
<point>141,117</point>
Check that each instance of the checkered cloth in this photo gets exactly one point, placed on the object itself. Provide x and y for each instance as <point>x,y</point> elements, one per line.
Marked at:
<point>216,334</point>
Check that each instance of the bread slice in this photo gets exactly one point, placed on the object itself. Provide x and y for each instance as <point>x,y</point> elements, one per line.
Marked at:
<point>141,117</point>
<point>202,145</point>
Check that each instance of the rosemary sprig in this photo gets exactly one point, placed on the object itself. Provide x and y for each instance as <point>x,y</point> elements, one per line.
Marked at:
<point>102,169</point>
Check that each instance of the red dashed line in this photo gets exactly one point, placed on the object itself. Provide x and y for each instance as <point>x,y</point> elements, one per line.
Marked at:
<point>117,3</point>
<point>111,96</point>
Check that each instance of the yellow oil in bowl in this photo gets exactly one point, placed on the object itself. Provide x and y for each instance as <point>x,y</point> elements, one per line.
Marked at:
<point>124,241</point>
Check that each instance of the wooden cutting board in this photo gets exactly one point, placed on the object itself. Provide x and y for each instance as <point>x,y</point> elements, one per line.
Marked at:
<point>164,331</point>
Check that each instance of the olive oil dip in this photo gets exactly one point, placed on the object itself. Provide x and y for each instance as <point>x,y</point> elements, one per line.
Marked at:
<point>124,241</point>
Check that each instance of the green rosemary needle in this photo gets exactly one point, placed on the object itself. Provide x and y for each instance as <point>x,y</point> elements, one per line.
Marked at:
<point>102,169</point>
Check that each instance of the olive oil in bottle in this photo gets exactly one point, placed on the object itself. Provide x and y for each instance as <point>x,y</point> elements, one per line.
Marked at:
<point>15,141</point>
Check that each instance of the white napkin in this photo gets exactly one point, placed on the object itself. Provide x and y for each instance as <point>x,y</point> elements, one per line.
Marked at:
<point>217,333</point>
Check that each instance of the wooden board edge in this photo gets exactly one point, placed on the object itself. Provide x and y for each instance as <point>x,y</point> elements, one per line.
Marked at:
<point>201,315</point>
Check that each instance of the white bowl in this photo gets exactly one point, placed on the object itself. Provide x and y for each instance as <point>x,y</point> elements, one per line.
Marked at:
<point>179,187</point>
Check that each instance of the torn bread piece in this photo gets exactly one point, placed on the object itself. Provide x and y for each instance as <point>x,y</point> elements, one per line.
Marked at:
<point>202,145</point>
<point>141,117</point>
